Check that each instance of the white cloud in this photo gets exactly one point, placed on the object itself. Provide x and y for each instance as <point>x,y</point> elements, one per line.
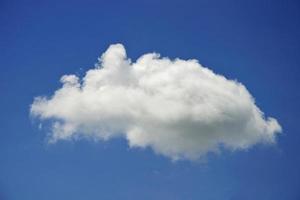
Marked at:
<point>177,107</point>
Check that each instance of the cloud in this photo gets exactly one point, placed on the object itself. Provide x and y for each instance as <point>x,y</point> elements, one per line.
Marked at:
<point>179,108</point>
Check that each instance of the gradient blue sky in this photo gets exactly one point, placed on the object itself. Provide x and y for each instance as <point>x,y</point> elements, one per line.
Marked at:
<point>255,42</point>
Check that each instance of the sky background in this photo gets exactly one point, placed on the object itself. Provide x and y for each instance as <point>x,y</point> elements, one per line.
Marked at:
<point>255,42</point>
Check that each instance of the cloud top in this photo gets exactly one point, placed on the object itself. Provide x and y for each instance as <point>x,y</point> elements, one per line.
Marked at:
<point>179,108</point>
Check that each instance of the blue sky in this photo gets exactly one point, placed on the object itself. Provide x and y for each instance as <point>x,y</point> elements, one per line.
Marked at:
<point>255,42</point>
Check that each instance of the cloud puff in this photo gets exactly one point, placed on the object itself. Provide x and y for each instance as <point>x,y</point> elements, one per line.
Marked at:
<point>179,108</point>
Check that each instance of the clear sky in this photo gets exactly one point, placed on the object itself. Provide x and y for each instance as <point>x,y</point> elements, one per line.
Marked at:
<point>255,42</point>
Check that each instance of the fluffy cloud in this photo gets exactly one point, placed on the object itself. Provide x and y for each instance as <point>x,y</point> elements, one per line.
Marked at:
<point>177,107</point>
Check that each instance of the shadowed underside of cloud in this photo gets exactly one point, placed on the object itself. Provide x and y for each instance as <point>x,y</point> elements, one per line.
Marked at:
<point>177,107</point>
